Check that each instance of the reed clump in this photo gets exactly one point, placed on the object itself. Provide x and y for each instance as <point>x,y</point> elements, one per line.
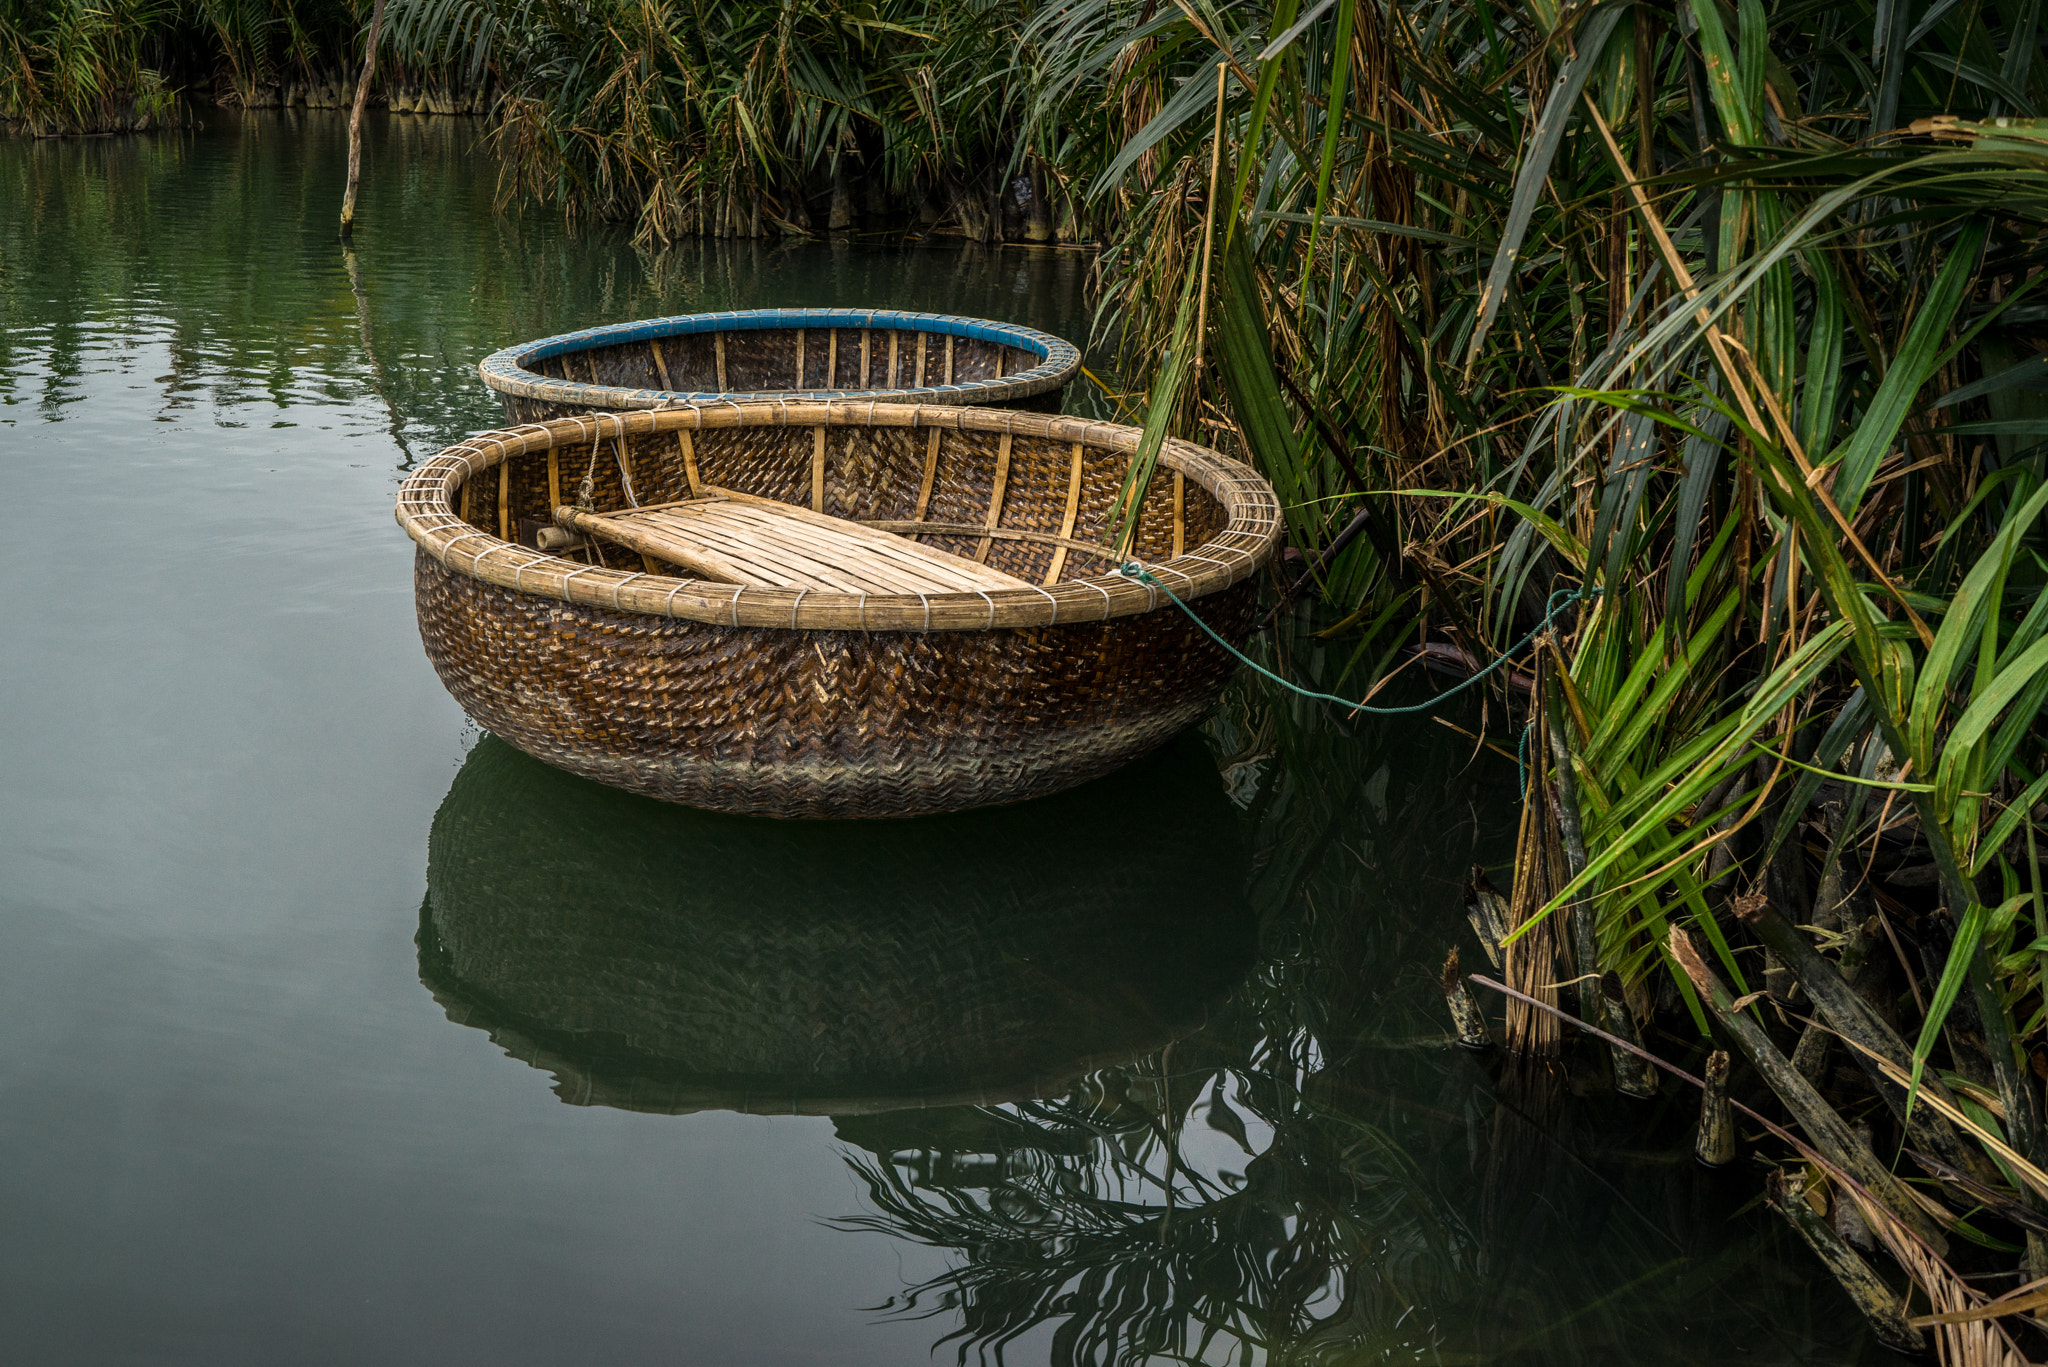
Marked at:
<point>755,120</point>
<point>84,67</point>
<point>1728,316</point>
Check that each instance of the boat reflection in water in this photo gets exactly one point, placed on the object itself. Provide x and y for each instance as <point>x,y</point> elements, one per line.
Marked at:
<point>656,958</point>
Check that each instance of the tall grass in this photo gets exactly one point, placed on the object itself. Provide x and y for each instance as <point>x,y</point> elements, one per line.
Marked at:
<point>71,67</point>
<point>1728,316</point>
<point>82,66</point>
<point>745,120</point>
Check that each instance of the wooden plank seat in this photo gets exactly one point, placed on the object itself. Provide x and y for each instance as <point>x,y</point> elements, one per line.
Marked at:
<point>742,539</point>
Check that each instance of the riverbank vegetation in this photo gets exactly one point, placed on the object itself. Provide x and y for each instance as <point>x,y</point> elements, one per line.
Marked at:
<point>85,67</point>
<point>752,120</point>
<point>1726,320</point>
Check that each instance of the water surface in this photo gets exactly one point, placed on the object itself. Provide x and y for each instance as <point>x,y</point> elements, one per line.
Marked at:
<point>337,1033</point>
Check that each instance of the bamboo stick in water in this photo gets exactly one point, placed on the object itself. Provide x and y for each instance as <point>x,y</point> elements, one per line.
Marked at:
<point>1471,1026</point>
<point>1715,1144</point>
<point>1829,1133</point>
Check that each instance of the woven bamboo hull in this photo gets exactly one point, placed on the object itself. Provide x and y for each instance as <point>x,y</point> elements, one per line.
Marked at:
<point>662,960</point>
<point>821,724</point>
<point>825,704</point>
<point>782,353</point>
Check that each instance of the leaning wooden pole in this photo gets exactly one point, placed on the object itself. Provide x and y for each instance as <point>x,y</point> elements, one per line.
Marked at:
<point>355,123</point>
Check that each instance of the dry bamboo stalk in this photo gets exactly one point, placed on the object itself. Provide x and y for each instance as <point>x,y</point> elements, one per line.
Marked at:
<point>931,470</point>
<point>818,470</point>
<point>832,361</point>
<point>1854,1019</point>
<point>1868,1290</point>
<point>1002,355</point>
<point>995,497</point>
<point>1633,1075</point>
<point>1180,526</point>
<point>554,477</point>
<point>468,498</point>
<point>661,363</point>
<point>1714,1146</point>
<point>949,359</point>
<point>1530,950</point>
<point>1827,1130</point>
<point>689,460</point>
<point>1059,557</point>
<point>718,347</point>
<point>505,501</point>
<point>1487,910</point>
<point>1860,966</point>
<point>1963,1335</point>
<point>1209,224</point>
<point>895,337</point>
<point>1921,1262</point>
<point>799,359</point>
<point>864,382</point>
<point>1596,1002</point>
<point>1470,1025</point>
<point>921,337</point>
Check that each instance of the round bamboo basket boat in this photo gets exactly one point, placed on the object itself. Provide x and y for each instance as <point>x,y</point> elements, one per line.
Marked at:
<point>763,354</point>
<point>802,702</point>
<point>655,958</point>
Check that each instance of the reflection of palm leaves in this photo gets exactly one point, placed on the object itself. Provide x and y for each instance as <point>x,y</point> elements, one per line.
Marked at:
<point>1094,1245</point>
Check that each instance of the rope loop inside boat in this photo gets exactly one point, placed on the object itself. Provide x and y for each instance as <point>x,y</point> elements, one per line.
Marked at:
<point>1559,601</point>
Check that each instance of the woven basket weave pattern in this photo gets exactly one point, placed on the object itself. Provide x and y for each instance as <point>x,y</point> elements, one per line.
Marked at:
<point>825,704</point>
<point>839,724</point>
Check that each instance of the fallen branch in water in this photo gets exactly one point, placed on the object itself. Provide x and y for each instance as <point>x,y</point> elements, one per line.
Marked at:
<point>1920,1261</point>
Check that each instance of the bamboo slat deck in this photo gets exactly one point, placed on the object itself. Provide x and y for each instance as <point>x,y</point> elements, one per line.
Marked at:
<point>738,539</point>
<point>766,354</point>
<point>852,693</point>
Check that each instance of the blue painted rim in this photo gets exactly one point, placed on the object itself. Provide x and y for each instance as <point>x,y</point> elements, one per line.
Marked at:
<point>505,371</point>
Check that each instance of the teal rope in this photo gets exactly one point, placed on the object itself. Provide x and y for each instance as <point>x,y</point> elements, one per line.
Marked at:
<point>1559,601</point>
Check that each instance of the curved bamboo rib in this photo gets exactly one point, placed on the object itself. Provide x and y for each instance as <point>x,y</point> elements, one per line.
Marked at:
<point>931,470</point>
<point>995,498</point>
<point>1059,557</point>
<point>424,509</point>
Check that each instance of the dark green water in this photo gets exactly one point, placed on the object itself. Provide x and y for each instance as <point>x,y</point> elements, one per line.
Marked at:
<point>335,1033</point>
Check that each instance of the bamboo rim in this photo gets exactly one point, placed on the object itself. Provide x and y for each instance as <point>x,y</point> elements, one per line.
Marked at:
<point>505,371</point>
<point>425,509</point>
